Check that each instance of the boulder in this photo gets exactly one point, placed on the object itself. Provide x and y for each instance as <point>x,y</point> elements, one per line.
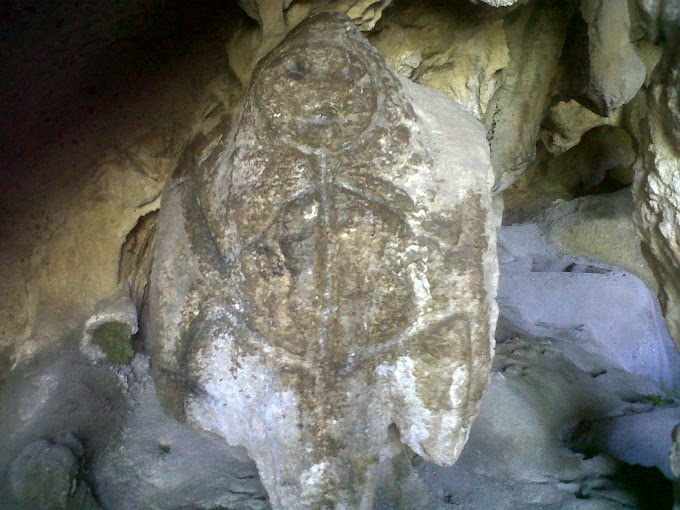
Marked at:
<point>324,281</point>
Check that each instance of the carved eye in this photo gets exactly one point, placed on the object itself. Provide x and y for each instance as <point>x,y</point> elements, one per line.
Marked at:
<point>297,68</point>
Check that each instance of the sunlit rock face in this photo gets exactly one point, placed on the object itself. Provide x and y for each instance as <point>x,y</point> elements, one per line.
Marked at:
<point>657,186</point>
<point>324,283</point>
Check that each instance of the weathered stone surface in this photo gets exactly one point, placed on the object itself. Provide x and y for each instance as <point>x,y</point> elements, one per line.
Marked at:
<point>675,463</point>
<point>75,435</point>
<point>88,151</point>
<point>601,163</point>
<point>107,334</point>
<point>155,462</point>
<point>437,46</point>
<point>616,70</point>
<point>535,36</point>
<point>566,123</point>
<point>601,228</point>
<point>585,166</point>
<point>497,3</point>
<point>42,475</point>
<point>657,189</point>
<point>50,410</point>
<point>324,282</point>
<point>658,18</point>
<point>548,297</point>
<point>549,378</point>
<point>643,439</point>
<point>275,18</point>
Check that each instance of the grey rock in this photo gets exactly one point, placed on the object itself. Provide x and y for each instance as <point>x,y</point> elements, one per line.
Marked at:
<point>70,431</point>
<point>497,3</point>
<point>156,463</point>
<point>326,274</point>
<point>42,476</point>
<point>638,438</point>
<point>659,19</point>
<point>675,463</point>
<point>519,454</point>
<point>45,407</point>
<point>587,302</point>
<point>556,391</point>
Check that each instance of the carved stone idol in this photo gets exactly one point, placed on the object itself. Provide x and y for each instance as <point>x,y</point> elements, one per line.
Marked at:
<point>324,282</point>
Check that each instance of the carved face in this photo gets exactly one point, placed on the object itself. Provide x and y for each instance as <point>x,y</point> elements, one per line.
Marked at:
<point>321,97</point>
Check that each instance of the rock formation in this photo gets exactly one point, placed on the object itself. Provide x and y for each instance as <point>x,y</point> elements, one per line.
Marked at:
<point>611,50</point>
<point>657,187</point>
<point>275,18</point>
<point>324,280</point>
<point>102,101</point>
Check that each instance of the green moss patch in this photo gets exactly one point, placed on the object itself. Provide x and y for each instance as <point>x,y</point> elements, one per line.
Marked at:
<point>114,339</point>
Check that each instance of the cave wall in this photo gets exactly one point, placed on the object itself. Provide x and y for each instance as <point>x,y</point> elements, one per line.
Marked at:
<point>101,98</point>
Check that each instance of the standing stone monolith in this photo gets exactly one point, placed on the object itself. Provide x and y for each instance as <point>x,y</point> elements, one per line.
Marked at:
<point>323,291</point>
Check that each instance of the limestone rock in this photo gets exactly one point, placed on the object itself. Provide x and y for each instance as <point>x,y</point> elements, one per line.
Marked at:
<point>601,150</point>
<point>106,435</point>
<point>601,228</point>
<point>72,195</point>
<point>657,192</point>
<point>535,36</point>
<point>323,286</point>
<point>616,70</point>
<point>547,296</point>
<point>518,451</point>
<point>67,403</point>
<point>554,376</point>
<point>642,438</point>
<point>567,121</point>
<point>275,18</point>
<point>602,163</point>
<point>461,56</point>
<point>497,3</point>
<point>364,13</point>
<point>136,257</point>
<point>107,333</point>
<point>155,462</point>
<point>658,18</point>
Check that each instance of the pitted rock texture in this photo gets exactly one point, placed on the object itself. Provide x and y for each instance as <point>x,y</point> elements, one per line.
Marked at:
<point>656,188</point>
<point>324,282</point>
